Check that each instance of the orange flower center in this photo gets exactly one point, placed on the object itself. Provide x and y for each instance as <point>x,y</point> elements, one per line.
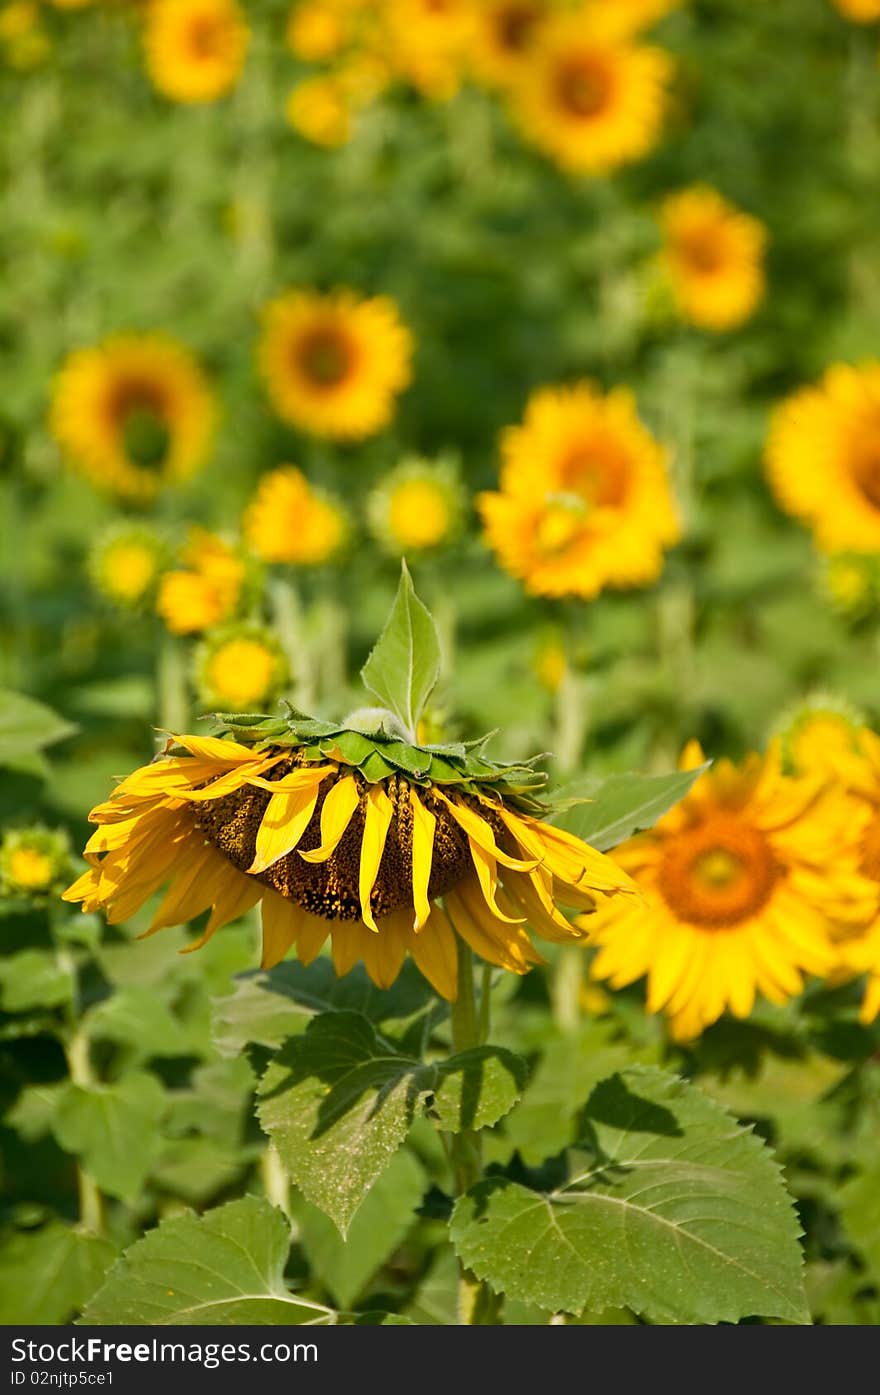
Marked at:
<point>138,411</point>
<point>870,850</point>
<point>701,252</point>
<point>583,86</point>
<point>866,468</point>
<point>596,473</point>
<point>325,358</point>
<point>718,873</point>
<point>205,37</point>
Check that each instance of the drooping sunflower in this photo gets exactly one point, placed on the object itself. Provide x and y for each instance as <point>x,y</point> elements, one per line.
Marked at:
<point>713,258</point>
<point>585,499</point>
<point>135,414</point>
<point>342,833</point>
<point>417,507</point>
<point>291,521</point>
<point>590,102</point>
<point>860,11</point>
<point>504,33</point>
<point>195,49</point>
<point>743,882</point>
<point>334,364</point>
<point>823,457</point>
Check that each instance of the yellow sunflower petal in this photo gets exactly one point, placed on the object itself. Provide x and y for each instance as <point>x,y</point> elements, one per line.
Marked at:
<point>424,826</point>
<point>435,952</point>
<point>379,811</point>
<point>285,821</point>
<point>480,832</point>
<point>336,815</point>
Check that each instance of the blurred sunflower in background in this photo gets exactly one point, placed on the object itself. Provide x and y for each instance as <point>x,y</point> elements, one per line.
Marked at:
<point>33,861</point>
<point>318,30</point>
<point>744,882</point>
<point>624,18</point>
<point>320,110</point>
<point>126,562</point>
<point>862,11</point>
<point>585,500</point>
<point>713,258</point>
<point>290,521</point>
<point>859,945</point>
<point>135,414</point>
<point>427,43</point>
<point>417,507</point>
<point>590,102</point>
<point>504,33</point>
<point>195,49</point>
<point>822,736</point>
<point>206,589</point>
<point>334,364</point>
<point>239,667</point>
<point>823,457</point>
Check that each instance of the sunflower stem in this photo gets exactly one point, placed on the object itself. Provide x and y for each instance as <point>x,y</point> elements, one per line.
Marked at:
<point>79,1066</point>
<point>172,699</point>
<point>477,1304</point>
<point>287,613</point>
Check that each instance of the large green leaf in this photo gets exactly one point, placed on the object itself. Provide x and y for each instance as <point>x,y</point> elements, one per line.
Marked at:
<point>27,726</point>
<point>221,1269</point>
<point>669,1208</point>
<point>344,1265</point>
<point>267,1007</point>
<point>620,805</point>
<point>114,1130</point>
<point>338,1103</point>
<point>404,666</point>
<point>47,1275</point>
<point>476,1088</point>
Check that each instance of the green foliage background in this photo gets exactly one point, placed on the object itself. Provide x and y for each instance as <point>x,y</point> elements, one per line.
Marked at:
<point>135,1069</point>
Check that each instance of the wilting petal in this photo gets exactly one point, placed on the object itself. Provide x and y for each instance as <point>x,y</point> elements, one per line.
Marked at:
<point>481,833</point>
<point>424,826</point>
<point>336,815</point>
<point>487,876</point>
<point>435,952</point>
<point>376,824</point>
<point>285,821</point>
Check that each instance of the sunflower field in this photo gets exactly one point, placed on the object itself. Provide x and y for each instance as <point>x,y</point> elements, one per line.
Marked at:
<point>440,575</point>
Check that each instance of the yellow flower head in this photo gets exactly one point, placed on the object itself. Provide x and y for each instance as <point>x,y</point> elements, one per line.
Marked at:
<point>504,34</point>
<point>713,257</point>
<point>334,364</point>
<point>623,18</point>
<point>822,737</point>
<point>742,882</point>
<point>860,11</point>
<point>289,521</point>
<point>18,18</point>
<point>317,30</point>
<point>591,103</point>
<point>320,110</point>
<point>206,590</point>
<point>134,414</point>
<point>427,43</point>
<point>417,507</point>
<point>195,49</point>
<point>239,667</point>
<point>336,840</point>
<point>33,861</point>
<point>850,581</point>
<point>585,500</point>
<point>858,941</point>
<point>125,564</point>
<point>823,458</point>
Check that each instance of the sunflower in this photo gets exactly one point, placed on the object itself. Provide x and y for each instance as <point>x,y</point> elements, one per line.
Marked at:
<point>195,49</point>
<point>320,110</point>
<point>585,500</point>
<point>240,666</point>
<point>289,521</point>
<point>33,861</point>
<point>823,457</point>
<point>504,33</point>
<point>858,944</point>
<point>206,590</point>
<point>317,30</point>
<point>860,11</point>
<point>427,43</point>
<point>589,102</point>
<point>850,582</point>
<point>623,18</point>
<point>334,364</point>
<point>713,258</point>
<point>134,414</point>
<point>125,564</point>
<point>352,835</point>
<point>417,507</point>
<point>822,736</point>
<point>742,883</point>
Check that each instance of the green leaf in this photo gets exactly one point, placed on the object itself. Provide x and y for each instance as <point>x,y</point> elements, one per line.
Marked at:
<point>338,1103</point>
<point>404,666</point>
<point>860,1214</point>
<point>267,1007</point>
<point>476,1088</point>
<point>27,726</point>
<point>621,805</point>
<point>114,1130</point>
<point>137,1017</point>
<point>345,1265</point>
<point>221,1269</point>
<point>33,978</point>
<point>47,1275</point>
<point>670,1209</point>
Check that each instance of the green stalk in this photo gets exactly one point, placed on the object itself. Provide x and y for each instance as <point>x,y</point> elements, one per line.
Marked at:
<point>79,1066</point>
<point>290,627</point>
<point>172,697</point>
<point>477,1304</point>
